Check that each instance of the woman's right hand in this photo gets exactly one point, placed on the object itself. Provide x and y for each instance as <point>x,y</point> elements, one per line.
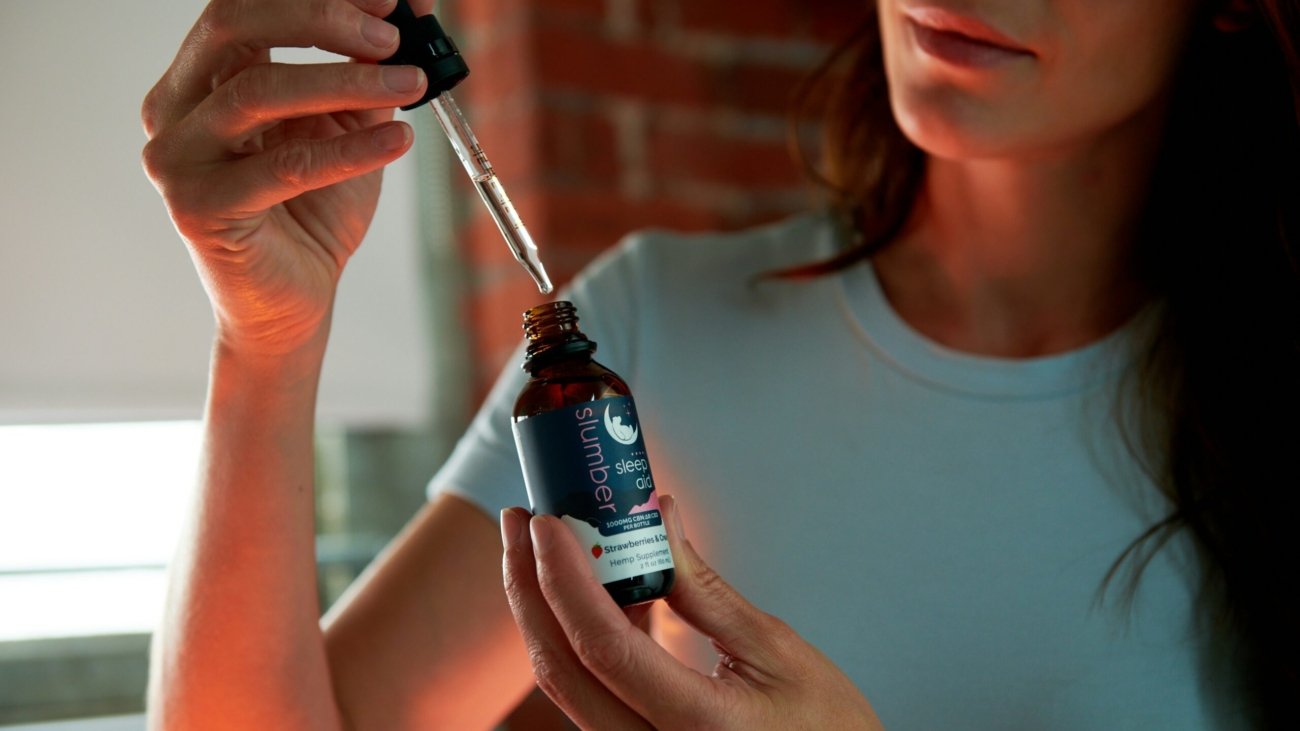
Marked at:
<point>270,171</point>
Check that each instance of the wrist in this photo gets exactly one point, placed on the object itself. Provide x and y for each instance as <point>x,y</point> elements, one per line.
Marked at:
<point>273,332</point>
<point>265,380</point>
<point>274,353</point>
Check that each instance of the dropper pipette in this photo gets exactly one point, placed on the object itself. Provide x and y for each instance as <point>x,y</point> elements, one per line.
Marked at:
<point>489,188</point>
<point>424,44</point>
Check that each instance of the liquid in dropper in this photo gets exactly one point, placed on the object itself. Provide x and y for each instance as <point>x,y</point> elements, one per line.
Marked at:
<point>490,189</point>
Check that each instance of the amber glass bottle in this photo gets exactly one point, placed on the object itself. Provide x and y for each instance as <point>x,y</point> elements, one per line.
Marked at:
<point>584,458</point>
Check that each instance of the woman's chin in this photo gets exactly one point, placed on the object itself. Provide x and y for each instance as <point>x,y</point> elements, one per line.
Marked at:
<point>953,139</point>
<point>953,130</point>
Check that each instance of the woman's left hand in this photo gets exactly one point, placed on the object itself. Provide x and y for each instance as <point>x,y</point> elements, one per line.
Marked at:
<point>591,658</point>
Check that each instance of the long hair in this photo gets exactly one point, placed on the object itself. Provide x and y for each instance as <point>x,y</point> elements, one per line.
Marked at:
<point>1217,390</point>
<point>870,169</point>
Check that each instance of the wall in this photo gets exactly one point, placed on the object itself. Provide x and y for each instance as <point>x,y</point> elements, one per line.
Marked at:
<point>101,315</point>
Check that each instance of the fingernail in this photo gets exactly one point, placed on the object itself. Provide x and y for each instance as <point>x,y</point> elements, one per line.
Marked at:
<point>392,137</point>
<point>512,527</point>
<point>540,529</point>
<point>401,78</point>
<point>378,33</point>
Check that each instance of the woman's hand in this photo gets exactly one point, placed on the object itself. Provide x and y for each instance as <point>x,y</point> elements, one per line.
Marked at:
<point>593,661</point>
<point>271,171</point>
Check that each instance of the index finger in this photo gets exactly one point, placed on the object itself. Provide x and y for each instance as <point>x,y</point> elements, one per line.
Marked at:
<point>231,35</point>
<point>631,665</point>
<point>560,674</point>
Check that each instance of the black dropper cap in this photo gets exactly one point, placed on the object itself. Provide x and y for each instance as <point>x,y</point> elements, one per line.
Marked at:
<point>423,43</point>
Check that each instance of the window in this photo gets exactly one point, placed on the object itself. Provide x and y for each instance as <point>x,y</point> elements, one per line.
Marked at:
<point>89,516</point>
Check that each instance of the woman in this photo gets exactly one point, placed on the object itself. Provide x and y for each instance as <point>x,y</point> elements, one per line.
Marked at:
<point>911,452</point>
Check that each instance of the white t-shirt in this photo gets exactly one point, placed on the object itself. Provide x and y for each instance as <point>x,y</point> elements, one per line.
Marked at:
<point>938,524</point>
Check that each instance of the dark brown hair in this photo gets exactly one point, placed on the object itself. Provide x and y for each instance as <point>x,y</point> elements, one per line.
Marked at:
<point>870,169</point>
<point>1217,391</point>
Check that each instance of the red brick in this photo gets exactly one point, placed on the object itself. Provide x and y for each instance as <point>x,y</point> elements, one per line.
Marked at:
<point>499,70</point>
<point>495,316</point>
<point>750,87</point>
<point>578,147</point>
<point>772,18</point>
<point>588,14</point>
<point>826,21</point>
<point>836,20</point>
<point>481,15</point>
<point>545,72</point>
<point>597,216</point>
<point>511,143</point>
<point>655,15</point>
<point>572,225</point>
<point>638,69</point>
<point>711,158</point>
<point>481,240</point>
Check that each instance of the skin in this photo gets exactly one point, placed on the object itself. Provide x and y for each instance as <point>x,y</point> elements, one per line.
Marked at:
<point>594,661</point>
<point>271,175</point>
<point>1017,248</point>
<point>1037,170</point>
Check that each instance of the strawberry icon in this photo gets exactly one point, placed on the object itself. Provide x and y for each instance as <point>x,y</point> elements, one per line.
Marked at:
<point>596,550</point>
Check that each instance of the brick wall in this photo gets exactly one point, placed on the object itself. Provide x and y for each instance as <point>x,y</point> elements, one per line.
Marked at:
<point>603,116</point>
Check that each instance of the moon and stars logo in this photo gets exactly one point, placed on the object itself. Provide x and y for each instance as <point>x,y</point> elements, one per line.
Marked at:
<point>620,432</point>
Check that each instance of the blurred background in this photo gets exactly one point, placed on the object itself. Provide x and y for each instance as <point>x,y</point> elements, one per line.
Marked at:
<point>600,116</point>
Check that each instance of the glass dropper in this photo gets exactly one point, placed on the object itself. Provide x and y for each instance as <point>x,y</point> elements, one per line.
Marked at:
<point>423,43</point>
<point>490,188</point>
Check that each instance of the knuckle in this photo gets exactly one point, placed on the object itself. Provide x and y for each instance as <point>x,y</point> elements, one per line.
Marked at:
<point>605,653</point>
<point>185,206</point>
<point>222,17</point>
<point>357,78</point>
<point>781,635</point>
<point>774,624</point>
<point>710,582</point>
<point>547,670</point>
<point>291,163</point>
<point>708,579</point>
<point>512,573</point>
<point>245,92</point>
<point>326,13</point>
<point>154,160</point>
<point>150,110</point>
<point>176,188</point>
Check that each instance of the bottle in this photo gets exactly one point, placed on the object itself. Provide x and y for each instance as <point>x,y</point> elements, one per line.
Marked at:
<point>584,459</point>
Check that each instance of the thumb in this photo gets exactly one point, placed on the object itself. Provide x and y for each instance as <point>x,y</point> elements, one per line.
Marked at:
<point>709,604</point>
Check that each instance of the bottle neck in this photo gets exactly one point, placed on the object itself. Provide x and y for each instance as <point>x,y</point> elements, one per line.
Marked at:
<point>553,335</point>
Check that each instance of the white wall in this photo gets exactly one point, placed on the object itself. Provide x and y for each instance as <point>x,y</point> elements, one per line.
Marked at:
<point>101,315</point>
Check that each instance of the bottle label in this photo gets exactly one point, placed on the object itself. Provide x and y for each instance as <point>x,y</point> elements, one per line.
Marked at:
<point>587,464</point>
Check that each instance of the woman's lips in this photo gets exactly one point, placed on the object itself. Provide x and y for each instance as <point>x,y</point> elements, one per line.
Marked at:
<point>960,40</point>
